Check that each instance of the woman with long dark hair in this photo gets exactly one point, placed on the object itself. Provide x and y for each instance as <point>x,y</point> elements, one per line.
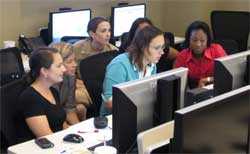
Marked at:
<point>138,62</point>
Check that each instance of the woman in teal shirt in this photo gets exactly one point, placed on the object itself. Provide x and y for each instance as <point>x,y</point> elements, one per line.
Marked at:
<point>144,52</point>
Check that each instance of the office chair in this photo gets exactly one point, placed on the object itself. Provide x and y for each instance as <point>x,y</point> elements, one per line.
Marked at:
<point>9,99</point>
<point>123,45</point>
<point>155,137</point>
<point>230,46</point>
<point>44,34</point>
<point>72,39</point>
<point>92,70</point>
<point>28,45</point>
<point>231,25</point>
<point>11,65</point>
<point>164,63</point>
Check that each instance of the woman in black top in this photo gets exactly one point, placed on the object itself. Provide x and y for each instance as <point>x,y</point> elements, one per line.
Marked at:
<point>39,103</point>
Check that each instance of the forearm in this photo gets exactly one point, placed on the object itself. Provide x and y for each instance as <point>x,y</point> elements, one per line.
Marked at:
<point>72,118</point>
<point>109,104</point>
<point>65,125</point>
<point>172,53</point>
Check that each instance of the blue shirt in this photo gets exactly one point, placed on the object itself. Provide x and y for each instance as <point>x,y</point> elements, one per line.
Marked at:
<point>120,70</point>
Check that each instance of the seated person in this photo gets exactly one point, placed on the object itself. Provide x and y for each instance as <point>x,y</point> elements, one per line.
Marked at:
<point>199,54</point>
<point>67,88</point>
<point>138,62</point>
<point>99,32</point>
<point>39,106</point>
<point>139,24</point>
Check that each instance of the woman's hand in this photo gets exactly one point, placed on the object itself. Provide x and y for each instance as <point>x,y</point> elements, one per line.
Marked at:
<point>205,81</point>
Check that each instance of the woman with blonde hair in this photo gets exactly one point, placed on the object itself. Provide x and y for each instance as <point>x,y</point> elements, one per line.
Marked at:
<point>69,95</point>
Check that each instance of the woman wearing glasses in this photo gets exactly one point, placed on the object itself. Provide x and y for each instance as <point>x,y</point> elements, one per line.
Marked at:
<point>138,62</point>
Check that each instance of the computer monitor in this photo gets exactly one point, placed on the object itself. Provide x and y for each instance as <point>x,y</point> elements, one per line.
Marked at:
<point>229,72</point>
<point>124,16</point>
<point>217,125</point>
<point>68,23</point>
<point>134,105</point>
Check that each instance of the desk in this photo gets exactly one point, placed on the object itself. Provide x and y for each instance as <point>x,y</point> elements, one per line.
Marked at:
<point>61,147</point>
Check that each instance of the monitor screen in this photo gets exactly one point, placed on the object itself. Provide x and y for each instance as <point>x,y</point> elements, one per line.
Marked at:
<point>229,72</point>
<point>217,125</point>
<point>134,103</point>
<point>124,16</point>
<point>69,23</point>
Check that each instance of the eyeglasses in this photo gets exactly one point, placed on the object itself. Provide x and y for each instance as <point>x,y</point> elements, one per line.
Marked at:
<point>159,48</point>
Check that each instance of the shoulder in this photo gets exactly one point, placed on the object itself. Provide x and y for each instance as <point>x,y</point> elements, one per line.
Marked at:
<point>217,50</point>
<point>183,53</point>
<point>28,93</point>
<point>119,62</point>
<point>111,47</point>
<point>82,43</point>
<point>182,57</point>
<point>29,99</point>
<point>122,58</point>
<point>216,46</point>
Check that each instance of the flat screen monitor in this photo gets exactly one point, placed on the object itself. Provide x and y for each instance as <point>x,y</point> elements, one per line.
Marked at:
<point>217,125</point>
<point>229,72</point>
<point>68,23</point>
<point>124,16</point>
<point>134,104</point>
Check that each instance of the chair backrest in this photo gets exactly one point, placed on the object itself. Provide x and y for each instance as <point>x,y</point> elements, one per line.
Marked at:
<point>72,39</point>
<point>44,34</point>
<point>124,38</point>
<point>92,70</point>
<point>9,99</point>
<point>234,25</point>
<point>230,46</point>
<point>155,137</point>
<point>28,45</point>
<point>170,38</point>
<point>11,66</point>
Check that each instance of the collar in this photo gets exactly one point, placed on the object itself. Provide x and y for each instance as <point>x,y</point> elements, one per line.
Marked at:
<point>207,54</point>
<point>149,66</point>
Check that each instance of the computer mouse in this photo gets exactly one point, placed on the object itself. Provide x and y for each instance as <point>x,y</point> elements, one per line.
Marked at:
<point>73,138</point>
<point>100,122</point>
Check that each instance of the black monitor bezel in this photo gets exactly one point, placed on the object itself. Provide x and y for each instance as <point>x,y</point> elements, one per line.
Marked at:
<point>223,78</point>
<point>122,104</point>
<point>183,114</point>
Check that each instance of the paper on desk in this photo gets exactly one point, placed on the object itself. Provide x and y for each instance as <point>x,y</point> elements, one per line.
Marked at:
<point>209,87</point>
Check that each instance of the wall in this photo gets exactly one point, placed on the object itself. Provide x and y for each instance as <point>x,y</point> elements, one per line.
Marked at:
<point>26,16</point>
<point>178,14</point>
